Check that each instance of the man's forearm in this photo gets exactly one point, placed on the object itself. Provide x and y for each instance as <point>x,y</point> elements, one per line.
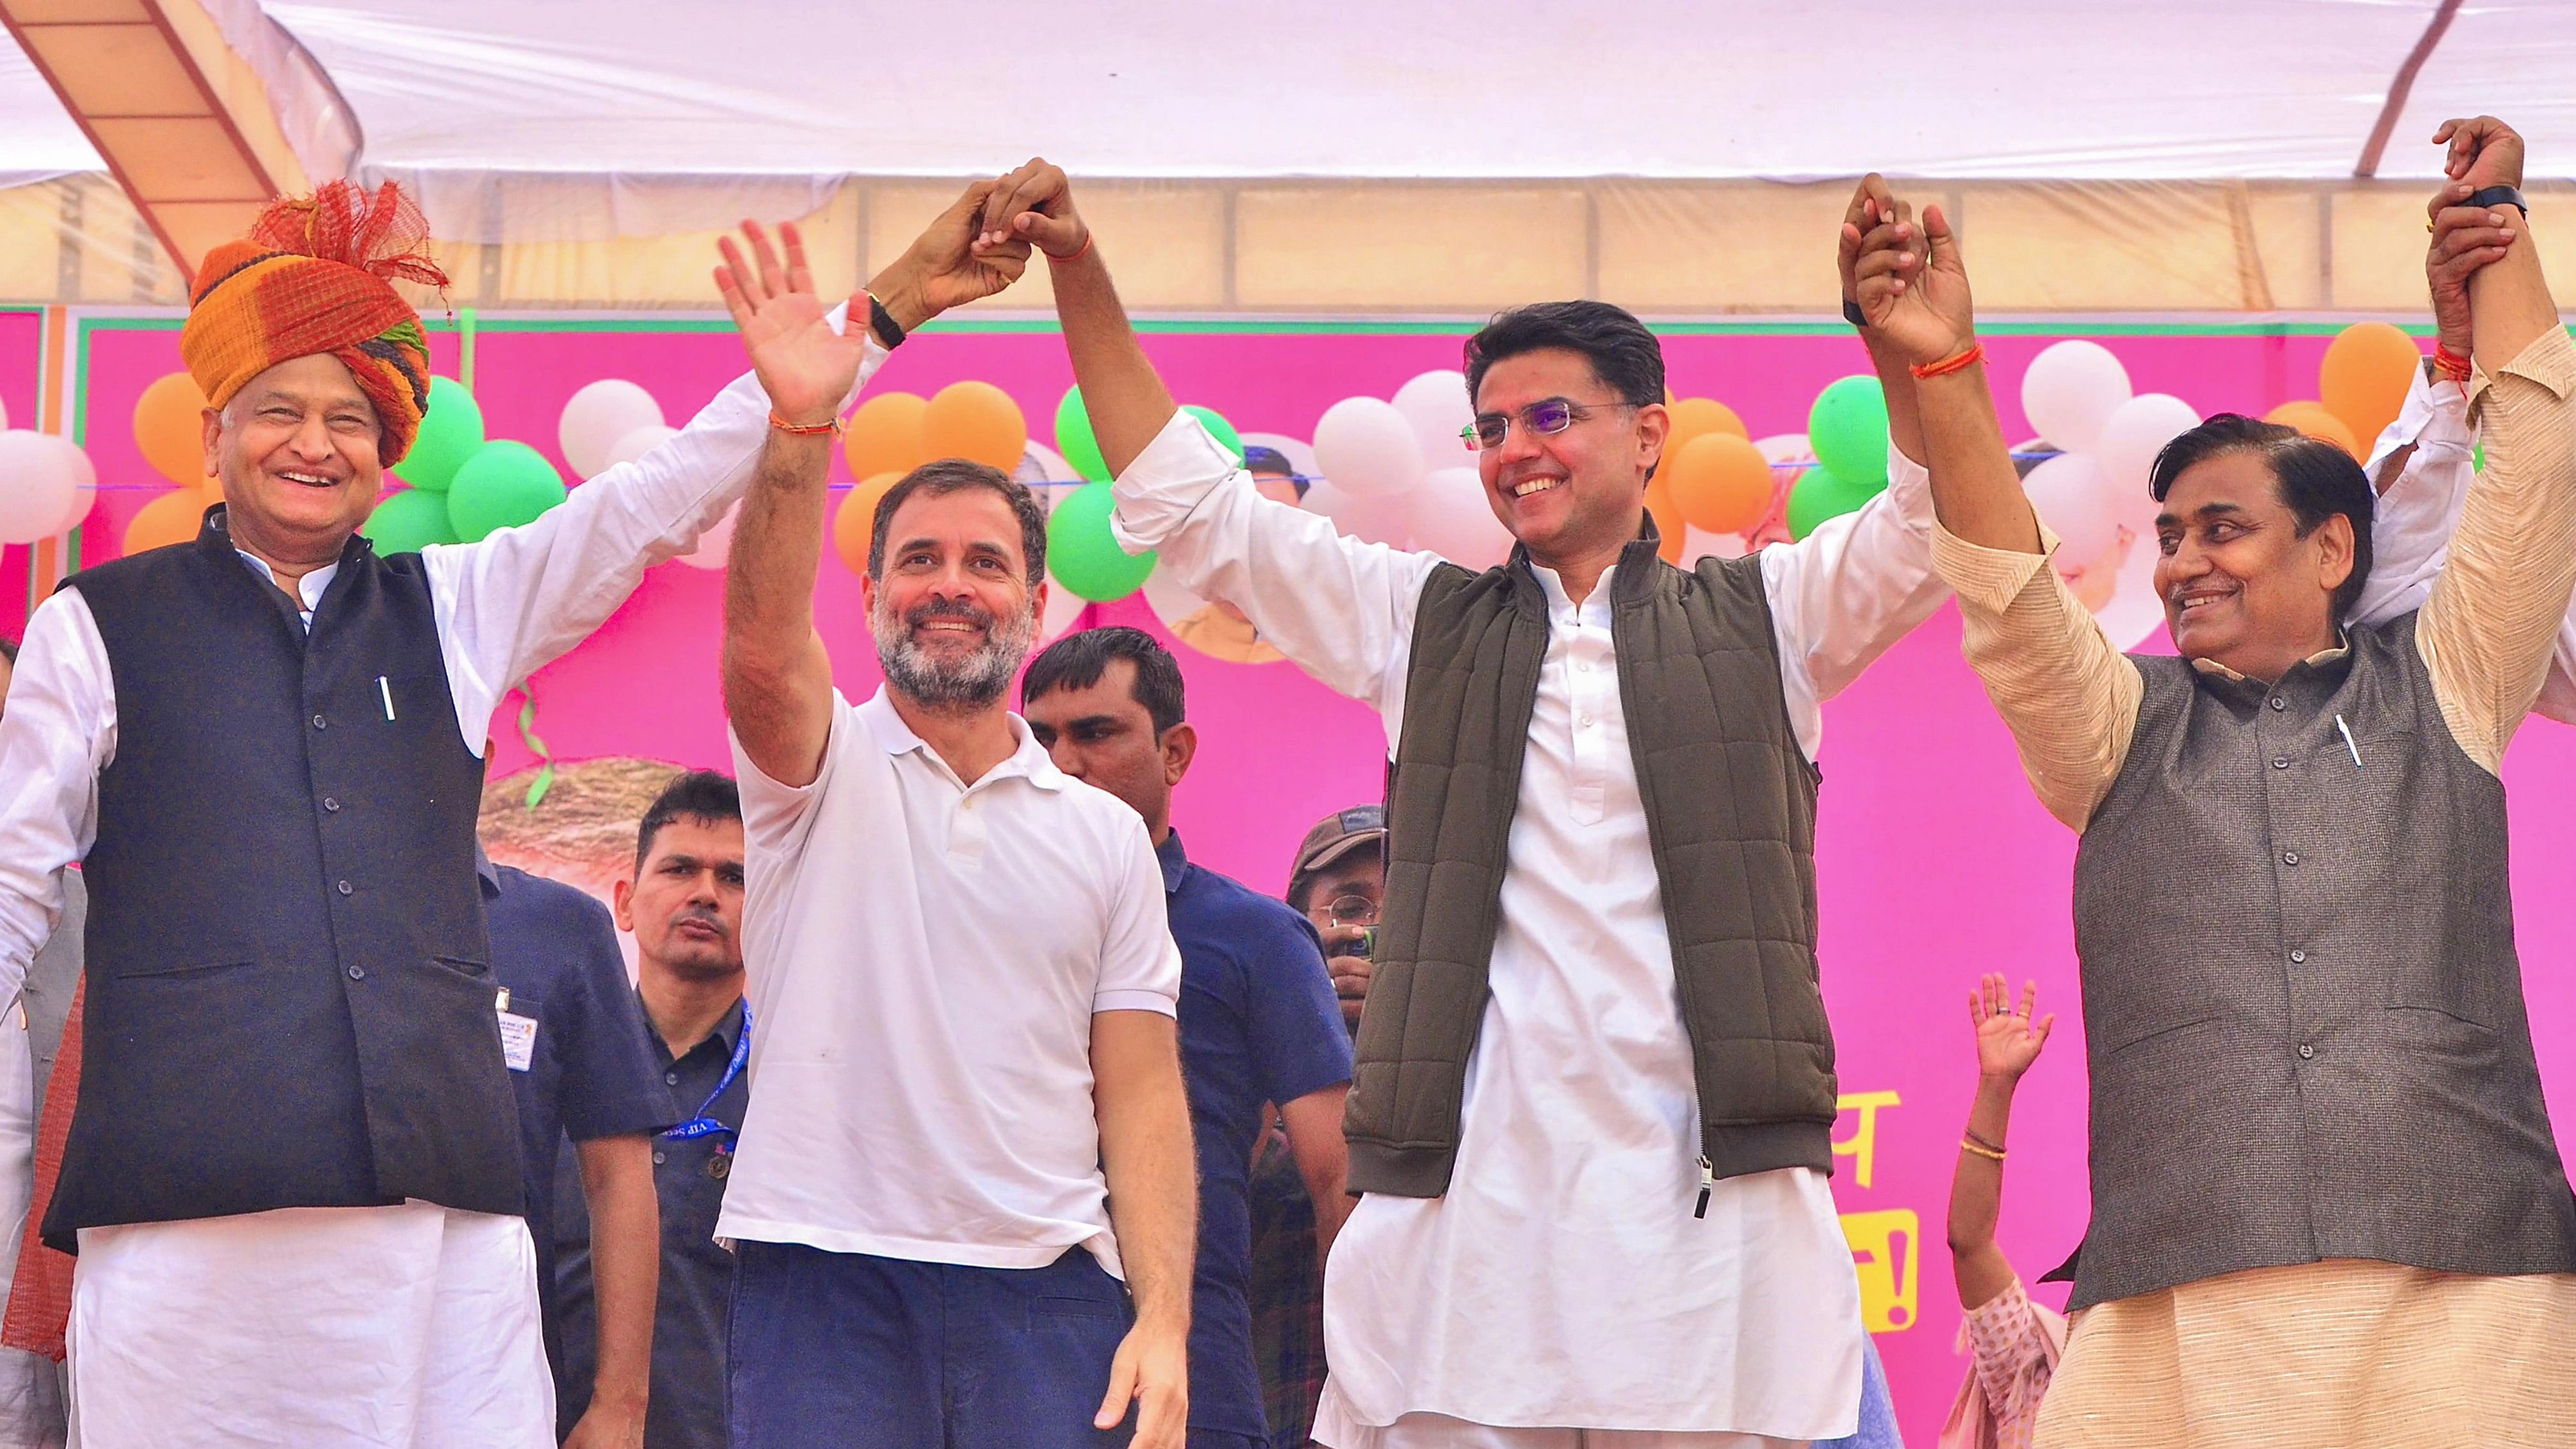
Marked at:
<point>626,1265</point>
<point>777,548</point>
<point>1153,1192</point>
<point>1975,492</point>
<point>1120,389</point>
<point>1896,380</point>
<point>2509,301</point>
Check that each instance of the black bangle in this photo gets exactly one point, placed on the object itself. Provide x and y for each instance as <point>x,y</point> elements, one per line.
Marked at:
<point>2494,195</point>
<point>882,323</point>
<point>1853,314</point>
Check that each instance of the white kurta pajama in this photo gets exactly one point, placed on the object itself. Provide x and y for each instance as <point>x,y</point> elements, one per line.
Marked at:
<point>410,1326</point>
<point>1563,1282</point>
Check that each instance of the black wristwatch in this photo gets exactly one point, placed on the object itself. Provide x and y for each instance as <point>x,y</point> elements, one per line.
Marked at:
<point>2497,195</point>
<point>1853,314</point>
<point>882,323</point>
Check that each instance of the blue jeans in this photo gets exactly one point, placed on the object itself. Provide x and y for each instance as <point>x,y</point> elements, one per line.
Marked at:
<point>846,1351</point>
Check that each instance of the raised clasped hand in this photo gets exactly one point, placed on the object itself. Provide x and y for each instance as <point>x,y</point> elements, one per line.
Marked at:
<point>806,367</point>
<point>948,265</point>
<point>1033,206</point>
<point>2484,152</point>
<point>1913,289</point>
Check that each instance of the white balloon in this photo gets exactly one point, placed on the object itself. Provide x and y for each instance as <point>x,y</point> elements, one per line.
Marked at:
<point>598,417</point>
<point>1367,449</point>
<point>1452,518</point>
<point>2130,441</point>
<point>637,443</point>
<point>1371,520</point>
<point>1436,404</point>
<point>2067,492</point>
<point>44,481</point>
<point>2071,391</point>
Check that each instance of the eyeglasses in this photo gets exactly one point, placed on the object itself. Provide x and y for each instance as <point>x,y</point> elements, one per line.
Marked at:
<point>1352,911</point>
<point>1544,418</point>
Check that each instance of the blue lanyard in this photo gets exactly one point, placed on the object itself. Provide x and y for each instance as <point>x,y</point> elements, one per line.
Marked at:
<point>703,1125</point>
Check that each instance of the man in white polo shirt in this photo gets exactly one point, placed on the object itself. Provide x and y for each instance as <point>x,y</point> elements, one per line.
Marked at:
<point>967,1123</point>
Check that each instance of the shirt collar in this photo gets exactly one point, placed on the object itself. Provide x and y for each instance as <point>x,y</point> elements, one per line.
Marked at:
<point>490,873</point>
<point>728,1030</point>
<point>1175,861</point>
<point>1029,760</point>
<point>2318,660</point>
<point>308,588</point>
<point>1560,604</point>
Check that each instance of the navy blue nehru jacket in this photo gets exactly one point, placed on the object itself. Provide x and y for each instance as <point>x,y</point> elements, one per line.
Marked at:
<point>1258,1023</point>
<point>583,1071</point>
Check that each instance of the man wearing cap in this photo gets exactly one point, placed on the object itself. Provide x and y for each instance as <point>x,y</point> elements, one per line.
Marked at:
<point>1339,883</point>
<point>291,1175</point>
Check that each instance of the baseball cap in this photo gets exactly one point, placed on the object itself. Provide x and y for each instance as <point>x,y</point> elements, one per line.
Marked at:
<point>1337,835</point>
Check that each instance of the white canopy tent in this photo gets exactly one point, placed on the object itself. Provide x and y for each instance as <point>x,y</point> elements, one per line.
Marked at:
<point>578,124</point>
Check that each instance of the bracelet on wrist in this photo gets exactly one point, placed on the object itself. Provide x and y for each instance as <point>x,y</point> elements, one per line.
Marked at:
<point>881,322</point>
<point>1975,353</point>
<point>1971,1144</point>
<point>804,430</point>
<point>1079,252</point>
<point>2449,364</point>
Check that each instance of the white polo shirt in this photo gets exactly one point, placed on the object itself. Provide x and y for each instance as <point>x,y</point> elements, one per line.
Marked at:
<point>925,958</point>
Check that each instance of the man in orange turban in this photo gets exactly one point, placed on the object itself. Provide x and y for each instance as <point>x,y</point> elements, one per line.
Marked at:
<point>292,1174</point>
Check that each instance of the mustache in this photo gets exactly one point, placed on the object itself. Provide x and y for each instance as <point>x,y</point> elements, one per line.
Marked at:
<point>955,611</point>
<point>706,918</point>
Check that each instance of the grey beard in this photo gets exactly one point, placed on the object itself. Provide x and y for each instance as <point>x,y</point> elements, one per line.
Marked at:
<point>971,683</point>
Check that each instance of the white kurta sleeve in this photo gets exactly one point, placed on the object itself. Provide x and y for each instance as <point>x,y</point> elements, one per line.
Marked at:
<point>1844,593</point>
<point>2411,528</point>
<point>1341,608</point>
<point>513,602</point>
<point>56,733</point>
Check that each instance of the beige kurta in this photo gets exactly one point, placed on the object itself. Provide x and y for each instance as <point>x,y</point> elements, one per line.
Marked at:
<point>2341,1354</point>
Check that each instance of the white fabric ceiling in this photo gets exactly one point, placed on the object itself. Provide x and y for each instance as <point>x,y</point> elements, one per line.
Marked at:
<point>800,91</point>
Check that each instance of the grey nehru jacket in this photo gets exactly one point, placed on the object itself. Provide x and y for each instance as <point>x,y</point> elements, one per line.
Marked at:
<point>2301,997</point>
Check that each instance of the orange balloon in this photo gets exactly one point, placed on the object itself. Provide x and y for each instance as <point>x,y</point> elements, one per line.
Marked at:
<point>2365,374</point>
<point>1719,482</point>
<point>854,527</point>
<point>884,435</point>
<point>1697,417</point>
<point>2312,418</point>
<point>170,428</point>
<point>1669,523</point>
<point>174,517</point>
<point>975,421</point>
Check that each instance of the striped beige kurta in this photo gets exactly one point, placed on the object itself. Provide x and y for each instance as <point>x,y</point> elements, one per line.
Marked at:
<point>2341,1354</point>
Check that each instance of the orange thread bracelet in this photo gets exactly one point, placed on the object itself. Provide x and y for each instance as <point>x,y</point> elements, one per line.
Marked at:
<point>1079,252</point>
<point>2450,364</point>
<point>803,430</point>
<point>1976,353</point>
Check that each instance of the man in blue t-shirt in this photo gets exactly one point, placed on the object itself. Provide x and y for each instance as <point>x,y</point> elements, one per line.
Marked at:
<point>572,1036</point>
<point>1259,1024</point>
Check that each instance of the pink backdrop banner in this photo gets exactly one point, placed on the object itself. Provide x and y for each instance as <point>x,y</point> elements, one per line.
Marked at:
<point>21,356</point>
<point>1935,863</point>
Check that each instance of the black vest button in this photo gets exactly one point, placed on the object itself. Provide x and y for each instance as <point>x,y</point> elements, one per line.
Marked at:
<point>2277,703</point>
<point>357,973</point>
<point>2306,1051</point>
<point>2288,857</point>
<point>2298,958</point>
<point>331,803</point>
<point>2280,762</point>
<point>345,888</point>
<point>317,721</point>
<point>660,1157</point>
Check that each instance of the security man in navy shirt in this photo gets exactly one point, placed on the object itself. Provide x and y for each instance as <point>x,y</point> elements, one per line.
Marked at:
<point>685,908</point>
<point>1259,1024</point>
<point>571,1036</point>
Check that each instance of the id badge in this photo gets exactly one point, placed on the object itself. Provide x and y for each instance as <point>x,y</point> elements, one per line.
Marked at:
<point>518,1037</point>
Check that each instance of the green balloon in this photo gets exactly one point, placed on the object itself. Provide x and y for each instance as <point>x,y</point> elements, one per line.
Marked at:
<point>1820,493</point>
<point>1083,556</point>
<point>502,486</point>
<point>451,431</point>
<point>1848,429</point>
<point>408,521</point>
<point>1219,429</point>
<point>1074,439</point>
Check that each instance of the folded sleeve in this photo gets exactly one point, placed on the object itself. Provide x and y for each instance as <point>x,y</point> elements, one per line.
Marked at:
<point>1140,966</point>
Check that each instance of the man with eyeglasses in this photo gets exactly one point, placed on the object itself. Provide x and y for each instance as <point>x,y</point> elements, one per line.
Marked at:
<point>1595,1081</point>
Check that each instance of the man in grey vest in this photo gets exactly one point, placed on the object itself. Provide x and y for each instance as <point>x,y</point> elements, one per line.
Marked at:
<point>291,1174</point>
<point>1595,1079</point>
<point>2327,1206</point>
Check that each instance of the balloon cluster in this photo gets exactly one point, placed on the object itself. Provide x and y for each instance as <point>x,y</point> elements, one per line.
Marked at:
<point>1847,433</point>
<point>465,486</point>
<point>46,484</point>
<point>1083,556</point>
<point>170,432</point>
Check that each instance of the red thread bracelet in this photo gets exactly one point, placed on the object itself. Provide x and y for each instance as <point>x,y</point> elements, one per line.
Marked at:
<point>803,430</point>
<point>2450,364</point>
<point>1079,252</point>
<point>1976,353</point>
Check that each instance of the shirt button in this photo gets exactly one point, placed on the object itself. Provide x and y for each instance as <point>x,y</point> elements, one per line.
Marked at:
<point>317,721</point>
<point>2279,703</point>
<point>357,973</point>
<point>2298,958</point>
<point>1583,721</point>
<point>2280,762</point>
<point>1583,666</point>
<point>2289,857</point>
<point>659,1158</point>
<point>331,804</point>
<point>671,1079</point>
<point>2306,1051</point>
<point>344,888</point>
